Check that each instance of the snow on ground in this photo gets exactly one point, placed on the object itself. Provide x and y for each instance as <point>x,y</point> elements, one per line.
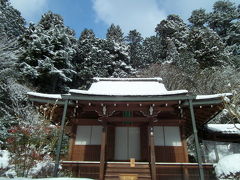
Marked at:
<point>62,178</point>
<point>225,128</point>
<point>4,158</point>
<point>228,166</point>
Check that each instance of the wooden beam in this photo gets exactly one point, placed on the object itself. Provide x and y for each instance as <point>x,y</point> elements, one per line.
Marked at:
<point>86,121</point>
<point>111,108</point>
<point>128,119</point>
<point>123,103</point>
<point>103,151</point>
<point>152,151</point>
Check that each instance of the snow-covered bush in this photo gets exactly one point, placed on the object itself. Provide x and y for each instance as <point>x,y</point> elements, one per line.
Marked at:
<point>30,145</point>
<point>4,161</point>
<point>28,137</point>
<point>228,167</point>
<point>42,168</point>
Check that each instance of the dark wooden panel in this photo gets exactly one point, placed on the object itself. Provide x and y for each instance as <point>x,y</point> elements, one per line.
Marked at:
<point>86,153</point>
<point>110,143</point>
<point>144,143</point>
<point>169,154</point>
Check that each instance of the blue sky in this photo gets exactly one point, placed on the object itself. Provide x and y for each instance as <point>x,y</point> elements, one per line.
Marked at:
<point>97,15</point>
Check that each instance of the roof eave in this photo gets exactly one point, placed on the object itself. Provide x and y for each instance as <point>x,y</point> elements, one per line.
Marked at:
<point>86,97</point>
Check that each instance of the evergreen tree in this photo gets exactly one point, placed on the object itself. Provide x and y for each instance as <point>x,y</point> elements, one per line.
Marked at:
<point>11,21</point>
<point>119,52</point>
<point>134,41</point>
<point>223,16</point>
<point>198,17</point>
<point>114,33</point>
<point>8,58</point>
<point>233,38</point>
<point>175,30</point>
<point>46,54</point>
<point>100,57</point>
<point>91,59</point>
<point>207,47</point>
<point>120,60</point>
<point>152,50</point>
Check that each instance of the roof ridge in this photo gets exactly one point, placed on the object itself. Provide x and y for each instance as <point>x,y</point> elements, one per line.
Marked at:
<point>155,79</point>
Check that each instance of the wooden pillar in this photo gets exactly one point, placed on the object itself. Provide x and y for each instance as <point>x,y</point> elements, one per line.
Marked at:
<point>200,166</point>
<point>183,137</point>
<point>103,151</point>
<point>152,151</point>
<point>55,172</point>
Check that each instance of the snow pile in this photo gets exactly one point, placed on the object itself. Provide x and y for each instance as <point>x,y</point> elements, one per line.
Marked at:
<point>4,159</point>
<point>228,166</point>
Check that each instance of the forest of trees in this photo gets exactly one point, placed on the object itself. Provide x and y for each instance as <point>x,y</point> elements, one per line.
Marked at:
<point>201,55</point>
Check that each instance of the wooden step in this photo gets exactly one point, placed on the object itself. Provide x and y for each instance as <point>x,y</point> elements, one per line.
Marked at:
<point>114,170</point>
<point>116,165</point>
<point>128,170</point>
<point>117,175</point>
<point>117,178</point>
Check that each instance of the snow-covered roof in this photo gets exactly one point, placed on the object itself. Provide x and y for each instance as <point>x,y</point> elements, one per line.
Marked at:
<point>212,96</point>
<point>128,87</point>
<point>224,128</point>
<point>158,79</point>
<point>43,95</point>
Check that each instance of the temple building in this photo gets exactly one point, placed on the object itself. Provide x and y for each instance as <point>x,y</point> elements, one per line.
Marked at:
<point>131,128</point>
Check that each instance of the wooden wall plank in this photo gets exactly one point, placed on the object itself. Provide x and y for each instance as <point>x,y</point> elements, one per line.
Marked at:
<point>86,153</point>
<point>169,154</point>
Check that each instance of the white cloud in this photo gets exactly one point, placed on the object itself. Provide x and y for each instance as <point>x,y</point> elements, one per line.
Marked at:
<point>31,10</point>
<point>142,15</point>
<point>184,8</point>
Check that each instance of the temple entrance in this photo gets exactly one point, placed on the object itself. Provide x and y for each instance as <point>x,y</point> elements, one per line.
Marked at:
<point>127,143</point>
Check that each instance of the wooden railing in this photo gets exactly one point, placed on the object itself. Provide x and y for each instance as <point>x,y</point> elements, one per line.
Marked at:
<point>183,171</point>
<point>164,171</point>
